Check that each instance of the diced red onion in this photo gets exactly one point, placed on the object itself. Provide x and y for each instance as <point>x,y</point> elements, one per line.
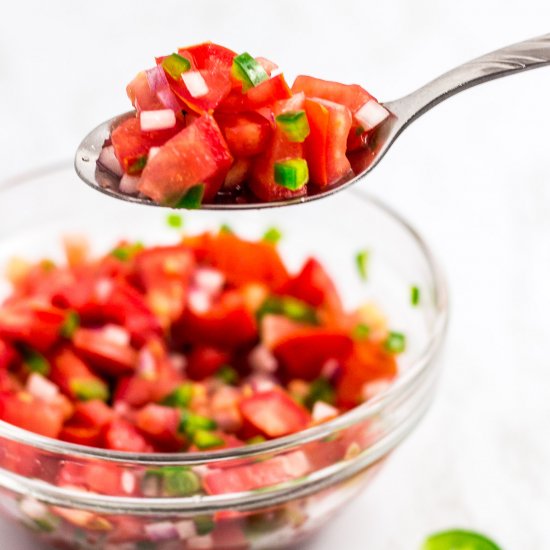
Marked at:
<point>371,114</point>
<point>262,360</point>
<point>186,529</point>
<point>41,387</point>
<point>157,120</point>
<point>199,301</point>
<point>203,542</point>
<point>202,469</point>
<point>128,482</point>
<point>209,280</point>
<point>146,366</point>
<point>323,411</point>
<point>163,530</point>
<point>33,508</point>
<point>331,369</point>
<point>103,290</point>
<point>129,184</point>
<point>158,83</point>
<point>195,83</point>
<point>117,335</point>
<point>152,152</point>
<point>108,160</point>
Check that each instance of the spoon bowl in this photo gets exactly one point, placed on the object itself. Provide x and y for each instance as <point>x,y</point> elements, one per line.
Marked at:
<point>516,58</point>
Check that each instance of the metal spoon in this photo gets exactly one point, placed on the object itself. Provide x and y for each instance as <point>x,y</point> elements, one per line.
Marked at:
<point>516,58</point>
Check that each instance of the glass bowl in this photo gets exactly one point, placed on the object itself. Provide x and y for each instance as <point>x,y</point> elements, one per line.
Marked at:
<point>307,477</point>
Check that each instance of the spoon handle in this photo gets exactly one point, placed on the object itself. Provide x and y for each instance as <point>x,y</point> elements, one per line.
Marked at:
<point>516,58</point>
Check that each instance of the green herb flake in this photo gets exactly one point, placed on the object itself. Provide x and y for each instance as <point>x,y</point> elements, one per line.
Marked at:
<point>125,252</point>
<point>272,236</point>
<point>292,174</point>
<point>174,220</point>
<point>204,525</point>
<point>294,309</point>
<point>415,295</point>
<point>359,130</point>
<point>192,199</point>
<point>255,440</point>
<point>362,261</point>
<point>176,481</point>
<point>396,342</point>
<point>137,166</point>
<point>36,362</point>
<point>191,423</point>
<point>86,389</point>
<point>459,539</point>
<point>225,229</point>
<point>205,439</point>
<point>180,397</point>
<point>294,124</point>
<point>175,65</point>
<point>227,374</point>
<point>320,390</point>
<point>248,71</point>
<point>360,332</point>
<point>70,324</point>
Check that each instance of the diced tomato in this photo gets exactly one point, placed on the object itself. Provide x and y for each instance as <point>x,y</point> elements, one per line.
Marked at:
<point>351,96</point>
<point>27,412</point>
<point>121,435</point>
<point>314,286</point>
<point>161,424</point>
<point>81,435</point>
<point>93,413</point>
<point>32,323</point>
<point>241,261</point>
<point>7,355</point>
<point>304,353</point>
<point>228,323</point>
<point>132,145</point>
<point>67,369</point>
<point>197,155</point>
<point>273,414</point>
<point>246,134</point>
<point>369,361</point>
<point>102,350</point>
<point>209,55</point>
<point>106,479</point>
<point>205,361</point>
<point>257,475</point>
<point>275,328</point>
<point>325,147</point>
<point>164,272</point>
<point>238,173</point>
<point>357,139</point>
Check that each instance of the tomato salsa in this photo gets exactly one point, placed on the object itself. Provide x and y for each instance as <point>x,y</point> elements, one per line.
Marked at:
<point>211,124</point>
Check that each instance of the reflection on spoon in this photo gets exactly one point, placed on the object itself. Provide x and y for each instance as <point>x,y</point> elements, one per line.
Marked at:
<point>529,54</point>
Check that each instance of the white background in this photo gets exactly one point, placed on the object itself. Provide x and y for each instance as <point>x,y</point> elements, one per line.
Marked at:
<point>473,176</point>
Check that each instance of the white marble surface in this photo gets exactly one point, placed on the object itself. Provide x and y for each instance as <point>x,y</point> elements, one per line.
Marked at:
<point>473,176</point>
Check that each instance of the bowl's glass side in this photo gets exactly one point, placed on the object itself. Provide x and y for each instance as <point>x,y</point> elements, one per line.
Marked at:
<point>97,495</point>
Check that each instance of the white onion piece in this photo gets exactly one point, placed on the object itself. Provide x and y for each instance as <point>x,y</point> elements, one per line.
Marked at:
<point>200,542</point>
<point>195,83</point>
<point>186,529</point>
<point>371,114</point>
<point>103,289</point>
<point>146,366</point>
<point>129,184</point>
<point>107,159</point>
<point>152,152</point>
<point>295,464</point>
<point>33,508</point>
<point>323,411</point>
<point>128,482</point>
<point>163,530</point>
<point>209,280</point>
<point>41,387</point>
<point>178,361</point>
<point>116,335</point>
<point>157,120</point>
<point>262,360</point>
<point>261,382</point>
<point>370,389</point>
<point>199,301</point>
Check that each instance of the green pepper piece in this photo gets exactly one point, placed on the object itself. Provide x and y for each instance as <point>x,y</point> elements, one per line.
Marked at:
<point>192,199</point>
<point>205,439</point>
<point>459,539</point>
<point>35,362</point>
<point>294,124</point>
<point>248,71</point>
<point>362,261</point>
<point>204,525</point>
<point>290,307</point>
<point>395,342</point>
<point>191,423</point>
<point>174,220</point>
<point>360,332</point>
<point>320,390</point>
<point>175,65</point>
<point>415,295</point>
<point>176,480</point>
<point>70,324</point>
<point>126,252</point>
<point>88,389</point>
<point>180,397</point>
<point>227,374</point>
<point>272,236</point>
<point>292,174</point>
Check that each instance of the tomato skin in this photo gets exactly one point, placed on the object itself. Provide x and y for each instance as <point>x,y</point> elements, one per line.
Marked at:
<point>90,436</point>
<point>97,347</point>
<point>31,414</point>
<point>304,353</point>
<point>369,361</point>
<point>228,324</point>
<point>198,154</point>
<point>351,96</point>
<point>8,355</point>
<point>121,435</point>
<point>209,55</point>
<point>246,134</point>
<point>161,425</point>
<point>325,147</point>
<point>205,361</point>
<point>131,144</point>
<point>94,413</point>
<point>273,414</point>
<point>31,323</point>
